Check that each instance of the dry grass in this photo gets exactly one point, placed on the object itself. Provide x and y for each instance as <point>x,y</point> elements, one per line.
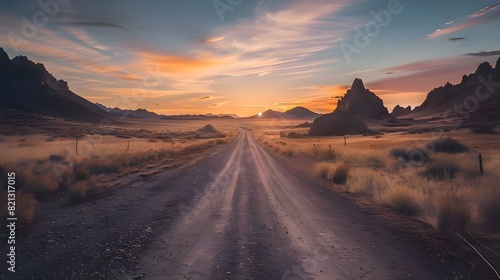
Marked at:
<point>444,189</point>
<point>365,181</point>
<point>324,153</point>
<point>402,199</point>
<point>43,168</point>
<point>324,170</point>
<point>340,174</point>
<point>453,214</point>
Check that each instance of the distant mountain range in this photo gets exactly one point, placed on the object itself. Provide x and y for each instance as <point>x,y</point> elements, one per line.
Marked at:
<point>28,87</point>
<point>295,113</point>
<point>148,115</point>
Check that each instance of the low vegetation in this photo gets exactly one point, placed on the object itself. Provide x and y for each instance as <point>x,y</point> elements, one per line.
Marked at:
<point>86,175</point>
<point>436,181</point>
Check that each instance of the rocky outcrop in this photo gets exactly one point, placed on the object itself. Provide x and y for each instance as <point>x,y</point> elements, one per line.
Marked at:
<point>363,103</point>
<point>337,123</point>
<point>400,111</point>
<point>357,105</point>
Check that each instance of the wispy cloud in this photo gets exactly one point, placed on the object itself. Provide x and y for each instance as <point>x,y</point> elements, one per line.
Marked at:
<point>487,14</point>
<point>484,53</point>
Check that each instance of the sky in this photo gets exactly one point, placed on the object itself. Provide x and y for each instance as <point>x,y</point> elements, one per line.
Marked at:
<point>247,56</point>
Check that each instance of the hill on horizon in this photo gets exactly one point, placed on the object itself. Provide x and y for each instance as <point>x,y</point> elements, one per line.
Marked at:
<point>298,112</point>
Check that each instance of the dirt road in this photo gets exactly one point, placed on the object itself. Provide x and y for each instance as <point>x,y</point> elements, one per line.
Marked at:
<point>238,214</point>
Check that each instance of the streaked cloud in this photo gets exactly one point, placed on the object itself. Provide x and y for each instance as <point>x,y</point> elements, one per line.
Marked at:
<point>484,15</point>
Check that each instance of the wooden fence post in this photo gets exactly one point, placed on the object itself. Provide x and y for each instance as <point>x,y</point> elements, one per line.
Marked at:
<point>481,164</point>
<point>76,144</point>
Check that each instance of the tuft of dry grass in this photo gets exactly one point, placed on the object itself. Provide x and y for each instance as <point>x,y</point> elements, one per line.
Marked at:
<point>321,153</point>
<point>340,174</point>
<point>447,145</point>
<point>402,199</point>
<point>324,170</point>
<point>441,170</point>
<point>489,212</point>
<point>453,214</point>
<point>78,192</point>
<point>289,152</point>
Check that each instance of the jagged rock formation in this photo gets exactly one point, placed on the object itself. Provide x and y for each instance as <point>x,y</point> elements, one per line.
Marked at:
<point>361,102</point>
<point>475,99</point>
<point>357,105</point>
<point>27,86</point>
<point>399,111</point>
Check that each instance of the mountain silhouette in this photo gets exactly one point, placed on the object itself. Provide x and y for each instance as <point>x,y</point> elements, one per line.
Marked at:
<point>357,105</point>
<point>295,113</point>
<point>361,102</point>
<point>27,86</point>
<point>134,114</point>
<point>475,99</point>
<point>400,111</point>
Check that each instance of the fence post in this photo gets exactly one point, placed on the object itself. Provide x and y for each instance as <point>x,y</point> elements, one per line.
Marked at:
<point>481,164</point>
<point>345,141</point>
<point>76,144</point>
<point>128,145</point>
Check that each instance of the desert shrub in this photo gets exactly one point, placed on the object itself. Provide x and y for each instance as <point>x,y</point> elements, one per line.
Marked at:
<point>288,152</point>
<point>400,153</point>
<point>219,141</point>
<point>483,129</point>
<point>453,214</point>
<point>402,199</point>
<point>324,170</point>
<point>295,135</point>
<point>340,174</point>
<point>196,147</point>
<point>489,212</point>
<point>447,145</point>
<point>39,181</point>
<point>441,170</point>
<point>78,192</point>
<point>321,153</point>
<point>25,208</point>
<point>166,153</point>
<point>56,158</point>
